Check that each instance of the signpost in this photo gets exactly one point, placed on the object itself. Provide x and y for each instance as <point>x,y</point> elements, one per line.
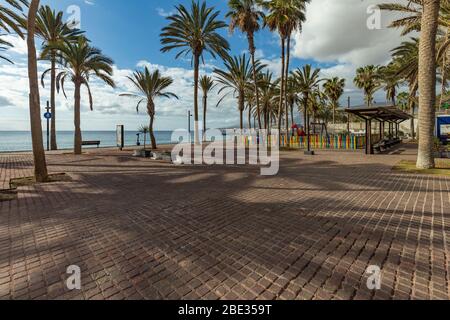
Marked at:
<point>48,116</point>
<point>120,134</point>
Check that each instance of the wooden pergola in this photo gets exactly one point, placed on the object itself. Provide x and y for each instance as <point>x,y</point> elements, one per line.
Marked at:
<point>383,114</point>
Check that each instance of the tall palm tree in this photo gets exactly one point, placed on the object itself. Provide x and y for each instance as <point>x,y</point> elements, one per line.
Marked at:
<point>307,80</point>
<point>235,79</point>
<point>284,16</point>
<point>194,32</point>
<point>10,21</point>
<point>426,16</point>
<point>206,84</point>
<point>81,62</point>
<point>50,26</point>
<point>40,165</point>
<point>334,89</point>
<point>427,82</point>
<point>367,78</point>
<point>245,15</point>
<point>150,85</point>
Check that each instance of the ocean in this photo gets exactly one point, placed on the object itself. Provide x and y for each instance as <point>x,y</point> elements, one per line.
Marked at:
<point>21,140</point>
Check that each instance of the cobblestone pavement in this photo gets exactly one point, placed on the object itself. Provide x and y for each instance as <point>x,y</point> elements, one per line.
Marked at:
<point>142,229</point>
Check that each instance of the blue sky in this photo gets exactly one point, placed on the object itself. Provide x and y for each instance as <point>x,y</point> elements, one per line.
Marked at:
<point>335,38</point>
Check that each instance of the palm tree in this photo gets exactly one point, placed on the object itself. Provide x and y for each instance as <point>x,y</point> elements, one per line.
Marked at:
<point>268,93</point>
<point>51,27</point>
<point>284,16</point>
<point>426,16</point>
<point>245,15</point>
<point>406,66</point>
<point>334,89</point>
<point>10,21</point>
<point>150,85</point>
<point>367,78</point>
<point>236,78</point>
<point>193,33</point>
<point>40,165</point>
<point>403,101</point>
<point>307,81</point>
<point>390,81</point>
<point>206,84</point>
<point>144,130</point>
<point>427,82</point>
<point>81,62</point>
<point>292,97</point>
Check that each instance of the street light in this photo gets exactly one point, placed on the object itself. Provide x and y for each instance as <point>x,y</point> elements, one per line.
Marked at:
<point>189,121</point>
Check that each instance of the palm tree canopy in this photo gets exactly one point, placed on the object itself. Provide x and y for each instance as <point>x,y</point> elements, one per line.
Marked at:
<point>9,19</point>
<point>307,79</point>
<point>149,85</point>
<point>390,80</point>
<point>206,84</point>
<point>334,89</point>
<point>10,22</point>
<point>50,26</point>
<point>195,31</point>
<point>284,16</point>
<point>411,15</point>
<point>80,63</point>
<point>245,15</point>
<point>406,60</point>
<point>367,78</point>
<point>236,76</point>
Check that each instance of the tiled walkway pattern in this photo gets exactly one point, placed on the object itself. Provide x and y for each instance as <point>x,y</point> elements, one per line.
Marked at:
<point>141,229</point>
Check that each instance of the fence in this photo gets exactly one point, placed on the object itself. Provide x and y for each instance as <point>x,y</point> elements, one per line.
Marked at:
<point>330,142</point>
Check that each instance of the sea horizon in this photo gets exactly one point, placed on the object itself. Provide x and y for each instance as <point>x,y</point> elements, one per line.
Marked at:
<point>20,140</point>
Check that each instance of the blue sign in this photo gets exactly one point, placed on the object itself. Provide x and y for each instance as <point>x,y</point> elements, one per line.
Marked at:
<point>443,128</point>
<point>47,115</point>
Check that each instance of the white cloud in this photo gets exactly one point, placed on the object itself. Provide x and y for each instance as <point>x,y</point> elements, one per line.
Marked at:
<point>109,108</point>
<point>336,33</point>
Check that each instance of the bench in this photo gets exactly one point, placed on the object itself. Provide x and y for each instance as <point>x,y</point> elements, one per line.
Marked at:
<point>91,143</point>
<point>386,144</point>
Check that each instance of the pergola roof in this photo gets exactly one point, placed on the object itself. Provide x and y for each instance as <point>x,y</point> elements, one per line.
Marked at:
<point>380,113</point>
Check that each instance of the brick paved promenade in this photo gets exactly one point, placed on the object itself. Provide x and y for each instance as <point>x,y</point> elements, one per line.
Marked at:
<point>142,229</point>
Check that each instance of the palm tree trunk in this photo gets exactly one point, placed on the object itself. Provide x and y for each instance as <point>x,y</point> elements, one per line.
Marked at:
<point>427,83</point>
<point>292,113</point>
<point>252,49</point>
<point>196,71</point>
<point>444,72</point>
<point>152,135</point>
<point>286,77</point>
<point>412,95</point>
<point>280,107</point>
<point>305,109</point>
<point>205,106</point>
<point>53,144</point>
<point>40,165</point>
<point>241,109</point>
<point>249,116</point>
<point>77,119</point>
<point>334,112</point>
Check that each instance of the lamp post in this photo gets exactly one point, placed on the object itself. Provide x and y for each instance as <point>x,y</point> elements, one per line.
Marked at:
<point>48,116</point>
<point>189,115</point>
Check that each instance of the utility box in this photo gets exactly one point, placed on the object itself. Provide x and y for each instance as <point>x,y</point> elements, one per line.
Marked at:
<point>443,128</point>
